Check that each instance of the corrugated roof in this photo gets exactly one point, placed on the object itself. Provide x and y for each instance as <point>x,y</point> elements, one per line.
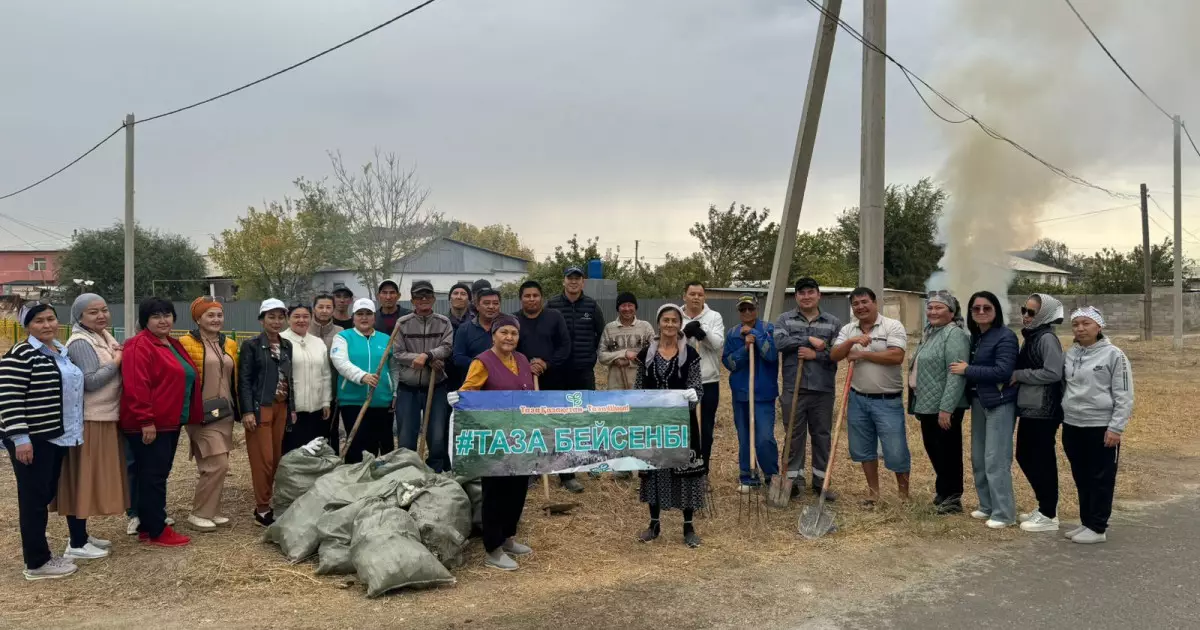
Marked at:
<point>1016,263</point>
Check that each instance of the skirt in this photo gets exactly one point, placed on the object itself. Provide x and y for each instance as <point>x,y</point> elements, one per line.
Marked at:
<point>210,439</point>
<point>93,481</point>
<point>672,491</point>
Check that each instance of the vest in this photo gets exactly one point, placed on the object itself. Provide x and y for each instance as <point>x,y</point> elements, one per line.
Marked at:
<point>500,377</point>
<point>104,404</point>
<point>365,353</point>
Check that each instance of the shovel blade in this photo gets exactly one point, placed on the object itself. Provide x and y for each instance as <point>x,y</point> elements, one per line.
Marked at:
<point>816,521</point>
<point>780,493</point>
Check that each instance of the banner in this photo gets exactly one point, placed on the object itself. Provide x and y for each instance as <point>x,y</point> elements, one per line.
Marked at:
<point>507,433</point>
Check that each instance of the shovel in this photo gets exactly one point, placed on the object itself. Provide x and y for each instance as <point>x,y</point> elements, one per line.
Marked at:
<point>753,503</point>
<point>816,521</point>
<point>551,508</point>
<point>780,493</point>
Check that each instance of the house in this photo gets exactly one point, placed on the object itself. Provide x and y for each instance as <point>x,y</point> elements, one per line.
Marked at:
<point>28,273</point>
<point>220,284</point>
<point>1037,273</point>
<point>443,262</point>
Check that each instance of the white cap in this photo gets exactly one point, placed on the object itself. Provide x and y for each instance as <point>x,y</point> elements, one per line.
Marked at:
<point>271,304</point>
<point>363,304</point>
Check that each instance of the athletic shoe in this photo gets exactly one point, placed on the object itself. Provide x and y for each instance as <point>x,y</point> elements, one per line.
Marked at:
<point>266,519</point>
<point>201,524</point>
<point>1025,516</point>
<point>100,542</point>
<point>994,524</point>
<point>1074,532</point>
<point>87,552</point>
<point>497,559</point>
<point>515,548</point>
<point>1038,522</point>
<point>1089,537</point>
<point>980,515</point>
<point>168,538</point>
<point>132,527</point>
<point>53,569</point>
<point>219,520</point>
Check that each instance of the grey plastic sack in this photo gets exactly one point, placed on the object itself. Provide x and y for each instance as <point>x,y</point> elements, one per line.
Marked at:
<point>474,489</point>
<point>397,459</point>
<point>336,531</point>
<point>387,552</point>
<point>443,514</point>
<point>297,472</point>
<point>296,531</point>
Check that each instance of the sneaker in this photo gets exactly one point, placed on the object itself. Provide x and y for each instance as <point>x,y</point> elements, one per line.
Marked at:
<point>994,524</point>
<point>168,538</point>
<point>1025,516</point>
<point>1074,532</point>
<point>515,548</point>
<point>951,505</point>
<point>53,569</point>
<point>201,524</point>
<point>1037,522</point>
<point>100,543</point>
<point>219,520</point>
<point>570,485</point>
<point>981,515</point>
<point>132,527</point>
<point>87,552</point>
<point>265,519</point>
<point>497,559</point>
<point>1089,537</point>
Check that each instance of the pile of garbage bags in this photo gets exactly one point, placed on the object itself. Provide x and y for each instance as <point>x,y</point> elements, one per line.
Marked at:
<point>391,520</point>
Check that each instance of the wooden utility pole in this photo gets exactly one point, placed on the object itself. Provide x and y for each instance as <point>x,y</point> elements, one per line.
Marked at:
<point>871,183</point>
<point>130,307</point>
<point>637,262</point>
<point>1178,337</point>
<point>806,137</point>
<point>1147,318</point>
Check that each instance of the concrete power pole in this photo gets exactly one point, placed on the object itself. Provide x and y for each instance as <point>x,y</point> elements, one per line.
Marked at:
<point>130,307</point>
<point>806,137</point>
<point>870,198</point>
<point>1178,339</point>
<point>1147,318</point>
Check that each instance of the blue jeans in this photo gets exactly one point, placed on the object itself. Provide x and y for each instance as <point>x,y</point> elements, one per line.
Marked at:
<point>871,421</point>
<point>992,458</point>
<point>764,438</point>
<point>410,404</point>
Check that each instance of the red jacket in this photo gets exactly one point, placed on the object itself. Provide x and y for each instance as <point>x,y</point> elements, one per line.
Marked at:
<point>152,385</point>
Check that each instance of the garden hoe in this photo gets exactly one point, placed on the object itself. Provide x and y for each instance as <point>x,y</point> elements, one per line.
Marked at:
<point>780,493</point>
<point>551,508</point>
<point>816,521</point>
<point>752,505</point>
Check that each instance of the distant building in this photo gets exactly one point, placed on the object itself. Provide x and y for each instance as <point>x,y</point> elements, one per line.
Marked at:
<point>220,284</point>
<point>442,262</point>
<point>1037,273</point>
<point>28,273</point>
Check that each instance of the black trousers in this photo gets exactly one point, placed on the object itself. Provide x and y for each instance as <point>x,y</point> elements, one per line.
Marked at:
<point>154,462</point>
<point>374,434</point>
<point>708,419</point>
<point>37,483</point>
<point>1035,455</point>
<point>814,416</point>
<point>945,450</point>
<point>583,379</point>
<point>1094,467</point>
<point>503,502</point>
<point>308,427</point>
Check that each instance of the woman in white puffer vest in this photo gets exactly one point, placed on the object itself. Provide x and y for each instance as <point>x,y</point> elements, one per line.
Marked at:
<point>312,380</point>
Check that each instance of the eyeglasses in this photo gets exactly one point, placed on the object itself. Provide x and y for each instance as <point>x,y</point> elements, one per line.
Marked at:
<point>1028,312</point>
<point>981,308</point>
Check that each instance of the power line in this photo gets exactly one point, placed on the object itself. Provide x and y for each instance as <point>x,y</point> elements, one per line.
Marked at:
<point>1117,63</point>
<point>1084,214</point>
<point>1190,141</point>
<point>68,165</point>
<point>991,132</point>
<point>1171,218</point>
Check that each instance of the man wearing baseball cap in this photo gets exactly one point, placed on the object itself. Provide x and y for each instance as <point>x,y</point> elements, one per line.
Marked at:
<point>424,343</point>
<point>389,307</point>
<point>355,355</point>
<point>753,339</point>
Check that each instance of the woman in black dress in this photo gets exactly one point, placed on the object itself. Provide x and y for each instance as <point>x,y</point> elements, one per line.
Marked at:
<point>669,363</point>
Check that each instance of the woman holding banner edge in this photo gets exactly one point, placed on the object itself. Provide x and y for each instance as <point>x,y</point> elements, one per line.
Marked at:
<point>501,368</point>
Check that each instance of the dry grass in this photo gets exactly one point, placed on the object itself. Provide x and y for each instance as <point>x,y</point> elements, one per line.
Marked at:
<point>584,560</point>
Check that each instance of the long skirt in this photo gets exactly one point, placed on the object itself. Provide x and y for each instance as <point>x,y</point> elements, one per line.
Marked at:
<point>93,481</point>
<point>670,490</point>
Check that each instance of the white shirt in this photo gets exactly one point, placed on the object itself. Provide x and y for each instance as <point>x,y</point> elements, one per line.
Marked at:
<point>873,378</point>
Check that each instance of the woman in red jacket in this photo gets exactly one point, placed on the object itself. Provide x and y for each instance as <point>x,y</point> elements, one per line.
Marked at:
<point>158,396</point>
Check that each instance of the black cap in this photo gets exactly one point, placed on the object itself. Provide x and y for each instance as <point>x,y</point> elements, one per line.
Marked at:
<point>387,283</point>
<point>420,286</point>
<point>343,291</point>
<point>573,271</point>
<point>479,285</point>
<point>486,291</point>
<point>627,298</point>
<point>806,283</point>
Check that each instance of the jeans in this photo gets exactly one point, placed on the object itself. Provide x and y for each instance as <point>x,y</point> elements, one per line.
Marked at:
<point>992,457</point>
<point>154,462</point>
<point>871,421</point>
<point>944,447</point>
<point>37,483</point>
<point>764,438</point>
<point>814,416</point>
<point>1094,468</point>
<point>410,406</point>
<point>503,502</point>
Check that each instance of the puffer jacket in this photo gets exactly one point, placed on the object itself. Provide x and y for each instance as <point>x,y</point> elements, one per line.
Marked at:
<point>1098,387</point>
<point>586,323</point>
<point>993,358</point>
<point>431,335</point>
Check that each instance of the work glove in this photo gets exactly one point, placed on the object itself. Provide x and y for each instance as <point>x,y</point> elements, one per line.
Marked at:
<point>691,396</point>
<point>452,398</point>
<point>312,447</point>
<point>694,331</point>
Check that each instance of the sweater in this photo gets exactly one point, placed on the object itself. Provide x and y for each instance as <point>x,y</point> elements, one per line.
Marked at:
<point>153,385</point>
<point>325,331</point>
<point>545,337</point>
<point>709,347</point>
<point>311,378</point>
<point>354,356</point>
<point>585,325</point>
<point>385,322</point>
<point>1098,387</point>
<point>736,358</point>
<point>31,399</point>
<point>937,389</point>
<point>431,335</point>
<point>94,353</point>
<point>993,358</point>
<point>470,340</point>
<point>618,339</point>
<point>1039,374</point>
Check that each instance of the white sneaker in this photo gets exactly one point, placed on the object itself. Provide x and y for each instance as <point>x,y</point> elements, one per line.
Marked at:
<point>219,520</point>
<point>200,523</point>
<point>1089,537</point>
<point>53,569</point>
<point>99,543</point>
<point>132,527</point>
<point>1025,516</point>
<point>980,515</point>
<point>87,552</point>
<point>994,524</point>
<point>1038,522</point>
<point>1074,532</point>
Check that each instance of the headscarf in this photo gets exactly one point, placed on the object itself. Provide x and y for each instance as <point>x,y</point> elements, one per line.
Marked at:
<point>504,319</point>
<point>1090,312</point>
<point>664,307</point>
<point>202,305</point>
<point>951,302</point>
<point>1050,313</point>
<point>31,311</point>
<point>80,305</point>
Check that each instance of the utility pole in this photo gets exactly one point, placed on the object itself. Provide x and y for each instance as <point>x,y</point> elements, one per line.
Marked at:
<point>1178,340</point>
<point>1147,318</point>
<point>871,182</point>
<point>637,262</point>
<point>130,307</point>
<point>806,137</point>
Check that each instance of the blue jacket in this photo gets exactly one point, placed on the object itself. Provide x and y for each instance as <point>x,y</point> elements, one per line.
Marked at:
<point>736,358</point>
<point>993,359</point>
<point>470,340</point>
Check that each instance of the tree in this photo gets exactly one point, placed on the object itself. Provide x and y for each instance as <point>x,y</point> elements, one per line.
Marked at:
<point>727,240</point>
<point>1054,253</point>
<point>1110,271</point>
<point>165,265</point>
<point>818,255</point>
<point>910,253</point>
<point>386,214</point>
<point>496,237</point>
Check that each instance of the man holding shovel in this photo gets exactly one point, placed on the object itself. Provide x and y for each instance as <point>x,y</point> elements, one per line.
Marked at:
<point>753,342</point>
<point>806,334</point>
<point>424,343</point>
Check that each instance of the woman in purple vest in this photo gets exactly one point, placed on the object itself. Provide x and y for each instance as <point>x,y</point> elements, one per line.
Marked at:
<point>501,368</point>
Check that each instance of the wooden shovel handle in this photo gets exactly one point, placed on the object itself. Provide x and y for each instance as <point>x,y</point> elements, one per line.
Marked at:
<point>837,428</point>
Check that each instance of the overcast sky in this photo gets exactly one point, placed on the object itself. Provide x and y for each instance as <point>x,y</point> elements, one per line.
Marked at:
<point>618,118</point>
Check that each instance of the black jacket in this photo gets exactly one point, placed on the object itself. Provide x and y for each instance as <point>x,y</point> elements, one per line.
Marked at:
<point>585,323</point>
<point>545,337</point>
<point>258,375</point>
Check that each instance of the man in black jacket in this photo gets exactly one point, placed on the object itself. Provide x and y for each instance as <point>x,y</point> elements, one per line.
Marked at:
<point>544,338</point>
<point>585,324</point>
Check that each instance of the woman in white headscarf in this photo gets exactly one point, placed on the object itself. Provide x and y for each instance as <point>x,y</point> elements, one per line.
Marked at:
<point>1038,376</point>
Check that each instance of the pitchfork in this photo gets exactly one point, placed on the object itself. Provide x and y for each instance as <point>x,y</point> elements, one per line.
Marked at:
<point>751,505</point>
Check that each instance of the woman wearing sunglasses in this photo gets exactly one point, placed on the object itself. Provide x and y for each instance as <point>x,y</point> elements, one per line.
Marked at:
<point>993,408</point>
<point>1039,404</point>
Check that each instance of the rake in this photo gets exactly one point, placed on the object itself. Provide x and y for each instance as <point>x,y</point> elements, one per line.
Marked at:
<point>751,505</point>
<point>816,521</point>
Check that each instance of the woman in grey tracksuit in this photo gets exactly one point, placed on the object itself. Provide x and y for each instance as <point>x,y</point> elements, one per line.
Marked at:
<point>1097,403</point>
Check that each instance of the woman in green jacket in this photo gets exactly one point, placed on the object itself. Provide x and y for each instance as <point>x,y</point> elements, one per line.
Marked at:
<point>937,398</point>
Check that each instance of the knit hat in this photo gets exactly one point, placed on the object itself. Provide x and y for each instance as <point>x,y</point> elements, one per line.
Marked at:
<point>200,306</point>
<point>505,319</point>
<point>461,285</point>
<point>627,298</point>
<point>80,305</point>
<point>478,286</point>
<point>1090,312</point>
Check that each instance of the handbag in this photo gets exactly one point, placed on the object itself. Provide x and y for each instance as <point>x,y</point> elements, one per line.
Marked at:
<point>217,408</point>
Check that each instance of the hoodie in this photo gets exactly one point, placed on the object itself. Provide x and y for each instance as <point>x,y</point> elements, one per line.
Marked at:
<point>1039,364</point>
<point>1098,387</point>
<point>711,345</point>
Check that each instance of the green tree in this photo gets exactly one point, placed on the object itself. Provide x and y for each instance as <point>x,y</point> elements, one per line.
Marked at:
<point>1110,271</point>
<point>496,237</point>
<point>166,265</point>
<point>819,255</point>
<point>727,240</point>
<point>1054,253</point>
<point>910,253</point>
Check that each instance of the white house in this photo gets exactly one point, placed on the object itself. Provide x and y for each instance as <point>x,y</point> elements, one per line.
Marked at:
<point>1037,272</point>
<point>442,262</point>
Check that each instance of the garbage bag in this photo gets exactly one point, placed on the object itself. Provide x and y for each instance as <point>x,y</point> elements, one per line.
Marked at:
<point>474,489</point>
<point>387,552</point>
<point>443,514</point>
<point>297,472</point>
<point>335,529</point>
<point>296,531</point>
<point>397,459</point>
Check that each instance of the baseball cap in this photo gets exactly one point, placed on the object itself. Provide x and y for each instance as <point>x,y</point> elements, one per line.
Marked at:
<point>387,283</point>
<point>271,304</point>
<point>343,291</point>
<point>420,286</point>
<point>363,304</point>
<point>573,271</point>
<point>747,299</point>
<point>806,283</point>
